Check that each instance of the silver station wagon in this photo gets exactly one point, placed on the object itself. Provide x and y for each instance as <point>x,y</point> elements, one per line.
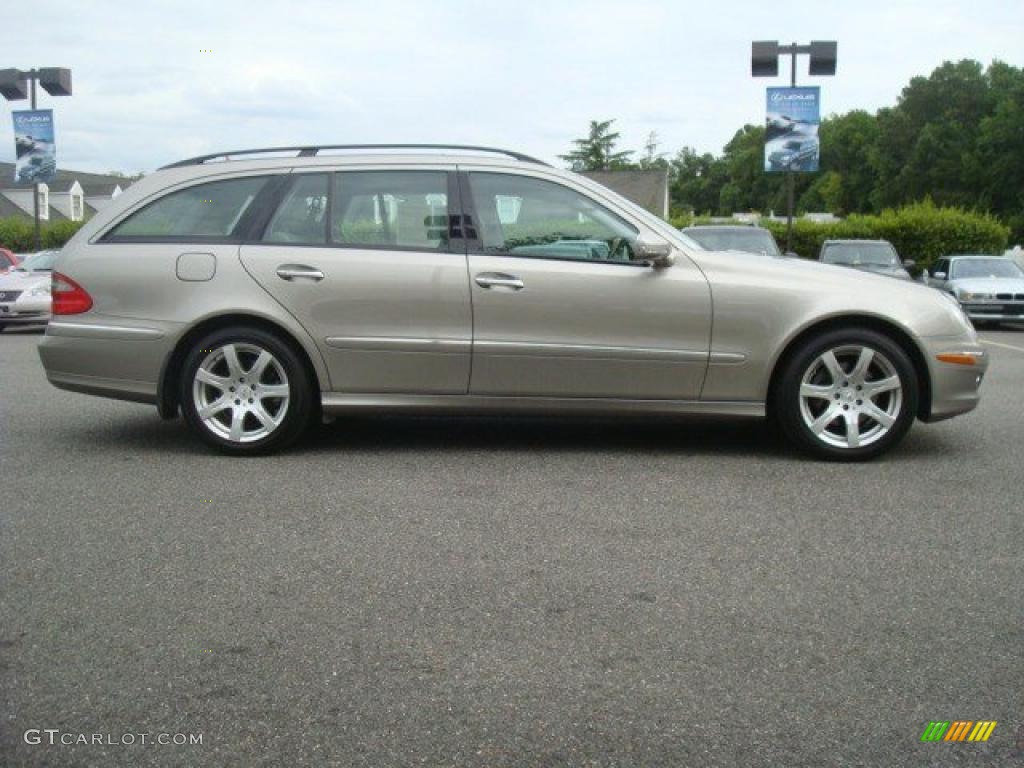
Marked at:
<point>257,291</point>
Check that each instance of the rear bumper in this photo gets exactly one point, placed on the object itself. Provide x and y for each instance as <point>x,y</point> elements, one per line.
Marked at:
<point>119,361</point>
<point>955,388</point>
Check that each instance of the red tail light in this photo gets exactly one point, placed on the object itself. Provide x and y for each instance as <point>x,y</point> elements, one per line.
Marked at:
<point>69,298</point>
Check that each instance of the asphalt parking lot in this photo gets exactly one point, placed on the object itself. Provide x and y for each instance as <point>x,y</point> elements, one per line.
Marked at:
<point>449,592</point>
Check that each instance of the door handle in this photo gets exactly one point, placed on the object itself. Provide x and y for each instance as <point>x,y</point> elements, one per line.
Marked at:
<point>499,280</point>
<point>292,271</point>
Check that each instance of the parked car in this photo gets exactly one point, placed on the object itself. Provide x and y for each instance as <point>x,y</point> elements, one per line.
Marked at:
<point>728,237</point>
<point>25,291</point>
<point>8,259</point>
<point>877,256</point>
<point>255,293</point>
<point>990,288</point>
<point>794,154</point>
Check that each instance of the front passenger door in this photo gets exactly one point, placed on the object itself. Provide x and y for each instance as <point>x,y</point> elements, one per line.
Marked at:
<point>560,308</point>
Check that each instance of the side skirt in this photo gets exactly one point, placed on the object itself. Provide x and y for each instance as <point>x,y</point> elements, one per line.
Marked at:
<point>335,402</point>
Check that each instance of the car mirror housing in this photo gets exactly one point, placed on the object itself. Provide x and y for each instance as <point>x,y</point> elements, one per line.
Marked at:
<point>909,263</point>
<point>654,250</point>
<point>939,275</point>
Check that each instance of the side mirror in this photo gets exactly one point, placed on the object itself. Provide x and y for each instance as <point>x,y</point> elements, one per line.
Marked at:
<point>909,263</point>
<point>939,275</point>
<point>654,250</point>
<point>792,254</point>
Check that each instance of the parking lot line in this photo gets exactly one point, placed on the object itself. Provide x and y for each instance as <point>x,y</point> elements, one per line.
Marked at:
<point>1000,344</point>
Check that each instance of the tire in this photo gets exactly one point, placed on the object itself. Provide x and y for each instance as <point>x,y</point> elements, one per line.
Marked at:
<point>256,393</point>
<point>846,395</point>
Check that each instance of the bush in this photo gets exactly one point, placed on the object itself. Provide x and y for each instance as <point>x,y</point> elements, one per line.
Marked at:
<point>921,232</point>
<point>19,235</point>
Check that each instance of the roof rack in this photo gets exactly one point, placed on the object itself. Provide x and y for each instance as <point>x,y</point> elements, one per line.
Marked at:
<point>313,149</point>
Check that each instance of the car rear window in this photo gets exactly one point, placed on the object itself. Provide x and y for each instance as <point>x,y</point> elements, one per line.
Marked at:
<point>204,210</point>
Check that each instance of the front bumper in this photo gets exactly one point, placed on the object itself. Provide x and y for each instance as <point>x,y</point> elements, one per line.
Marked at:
<point>994,310</point>
<point>955,387</point>
<point>27,310</point>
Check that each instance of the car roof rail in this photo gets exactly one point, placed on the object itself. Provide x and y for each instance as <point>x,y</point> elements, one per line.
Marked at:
<point>311,150</point>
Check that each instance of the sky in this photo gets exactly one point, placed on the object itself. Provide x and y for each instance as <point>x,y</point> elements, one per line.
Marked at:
<point>156,82</point>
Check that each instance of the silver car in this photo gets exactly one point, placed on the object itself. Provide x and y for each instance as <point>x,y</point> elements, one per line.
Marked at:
<point>25,291</point>
<point>254,293</point>
<point>990,288</point>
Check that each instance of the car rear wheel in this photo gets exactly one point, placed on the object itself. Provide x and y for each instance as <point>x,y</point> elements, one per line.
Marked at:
<point>245,391</point>
<point>847,395</point>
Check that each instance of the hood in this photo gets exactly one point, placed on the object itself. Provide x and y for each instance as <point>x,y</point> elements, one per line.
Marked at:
<point>828,289</point>
<point>880,269</point>
<point>23,281</point>
<point>989,284</point>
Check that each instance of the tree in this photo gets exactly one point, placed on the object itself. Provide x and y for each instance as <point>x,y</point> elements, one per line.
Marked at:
<point>597,151</point>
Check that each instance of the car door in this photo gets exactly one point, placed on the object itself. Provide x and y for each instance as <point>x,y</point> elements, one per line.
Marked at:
<point>561,310</point>
<point>942,267</point>
<point>363,259</point>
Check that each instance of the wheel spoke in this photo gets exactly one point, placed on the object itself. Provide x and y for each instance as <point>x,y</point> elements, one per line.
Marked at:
<point>852,429</point>
<point>231,358</point>
<point>273,390</point>
<point>237,417</point>
<point>860,370</point>
<point>816,390</point>
<point>825,419</point>
<point>212,379</point>
<point>214,408</point>
<point>873,411</point>
<point>834,369</point>
<point>875,388</point>
<point>256,372</point>
<point>264,417</point>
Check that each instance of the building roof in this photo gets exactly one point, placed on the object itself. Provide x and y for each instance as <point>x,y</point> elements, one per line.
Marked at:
<point>648,189</point>
<point>100,184</point>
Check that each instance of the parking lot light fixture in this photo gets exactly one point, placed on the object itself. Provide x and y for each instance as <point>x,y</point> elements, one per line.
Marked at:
<point>18,84</point>
<point>764,62</point>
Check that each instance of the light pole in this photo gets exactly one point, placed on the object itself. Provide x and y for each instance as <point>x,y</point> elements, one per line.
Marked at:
<point>14,86</point>
<point>764,62</point>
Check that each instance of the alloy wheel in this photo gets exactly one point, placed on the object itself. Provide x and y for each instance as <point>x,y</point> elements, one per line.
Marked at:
<point>850,396</point>
<point>241,392</point>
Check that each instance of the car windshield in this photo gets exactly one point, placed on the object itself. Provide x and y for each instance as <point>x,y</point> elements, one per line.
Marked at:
<point>748,240</point>
<point>966,268</point>
<point>38,262</point>
<point>856,254</point>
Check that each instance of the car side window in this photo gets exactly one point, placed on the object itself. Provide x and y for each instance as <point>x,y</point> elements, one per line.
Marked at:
<point>302,215</point>
<point>390,209</point>
<point>530,217</point>
<point>204,210</point>
<point>941,266</point>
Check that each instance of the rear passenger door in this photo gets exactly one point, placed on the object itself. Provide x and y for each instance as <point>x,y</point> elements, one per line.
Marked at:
<point>365,261</point>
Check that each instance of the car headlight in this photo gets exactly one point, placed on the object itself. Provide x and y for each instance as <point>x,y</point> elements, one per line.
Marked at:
<point>973,296</point>
<point>40,290</point>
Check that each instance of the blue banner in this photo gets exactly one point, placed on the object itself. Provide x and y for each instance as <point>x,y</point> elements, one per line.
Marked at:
<point>34,148</point>
<point>791,129</point>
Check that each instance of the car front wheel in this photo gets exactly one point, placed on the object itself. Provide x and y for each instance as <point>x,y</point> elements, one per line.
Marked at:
<point>847,395</point>
<point>245,391</point>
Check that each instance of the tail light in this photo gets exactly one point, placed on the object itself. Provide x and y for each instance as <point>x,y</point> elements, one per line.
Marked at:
<point>69,298</point>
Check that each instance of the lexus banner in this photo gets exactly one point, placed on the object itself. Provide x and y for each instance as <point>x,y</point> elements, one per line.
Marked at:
<point>791,130</point>
<point>35,151</point>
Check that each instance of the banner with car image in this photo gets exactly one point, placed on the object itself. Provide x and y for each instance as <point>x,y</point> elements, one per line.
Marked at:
<point>34,148</point>
<point>791,129</point>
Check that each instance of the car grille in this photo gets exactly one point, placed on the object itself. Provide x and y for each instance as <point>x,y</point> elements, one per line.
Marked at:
<point>9,295</point>
<point>1010,297</point>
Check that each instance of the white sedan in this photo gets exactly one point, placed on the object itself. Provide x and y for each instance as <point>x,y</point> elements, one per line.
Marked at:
<point>25,291</point>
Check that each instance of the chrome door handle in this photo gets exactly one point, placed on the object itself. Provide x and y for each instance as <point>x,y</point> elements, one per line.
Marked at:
<point>499,280</point>
<point>292,271</point>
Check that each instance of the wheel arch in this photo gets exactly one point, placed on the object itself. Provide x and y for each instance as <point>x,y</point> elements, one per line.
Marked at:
<point>887,328</point>
<point>167,392</point>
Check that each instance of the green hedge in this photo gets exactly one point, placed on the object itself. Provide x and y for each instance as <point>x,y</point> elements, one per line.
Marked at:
<point>921,232</point>
<point>19,235</point>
